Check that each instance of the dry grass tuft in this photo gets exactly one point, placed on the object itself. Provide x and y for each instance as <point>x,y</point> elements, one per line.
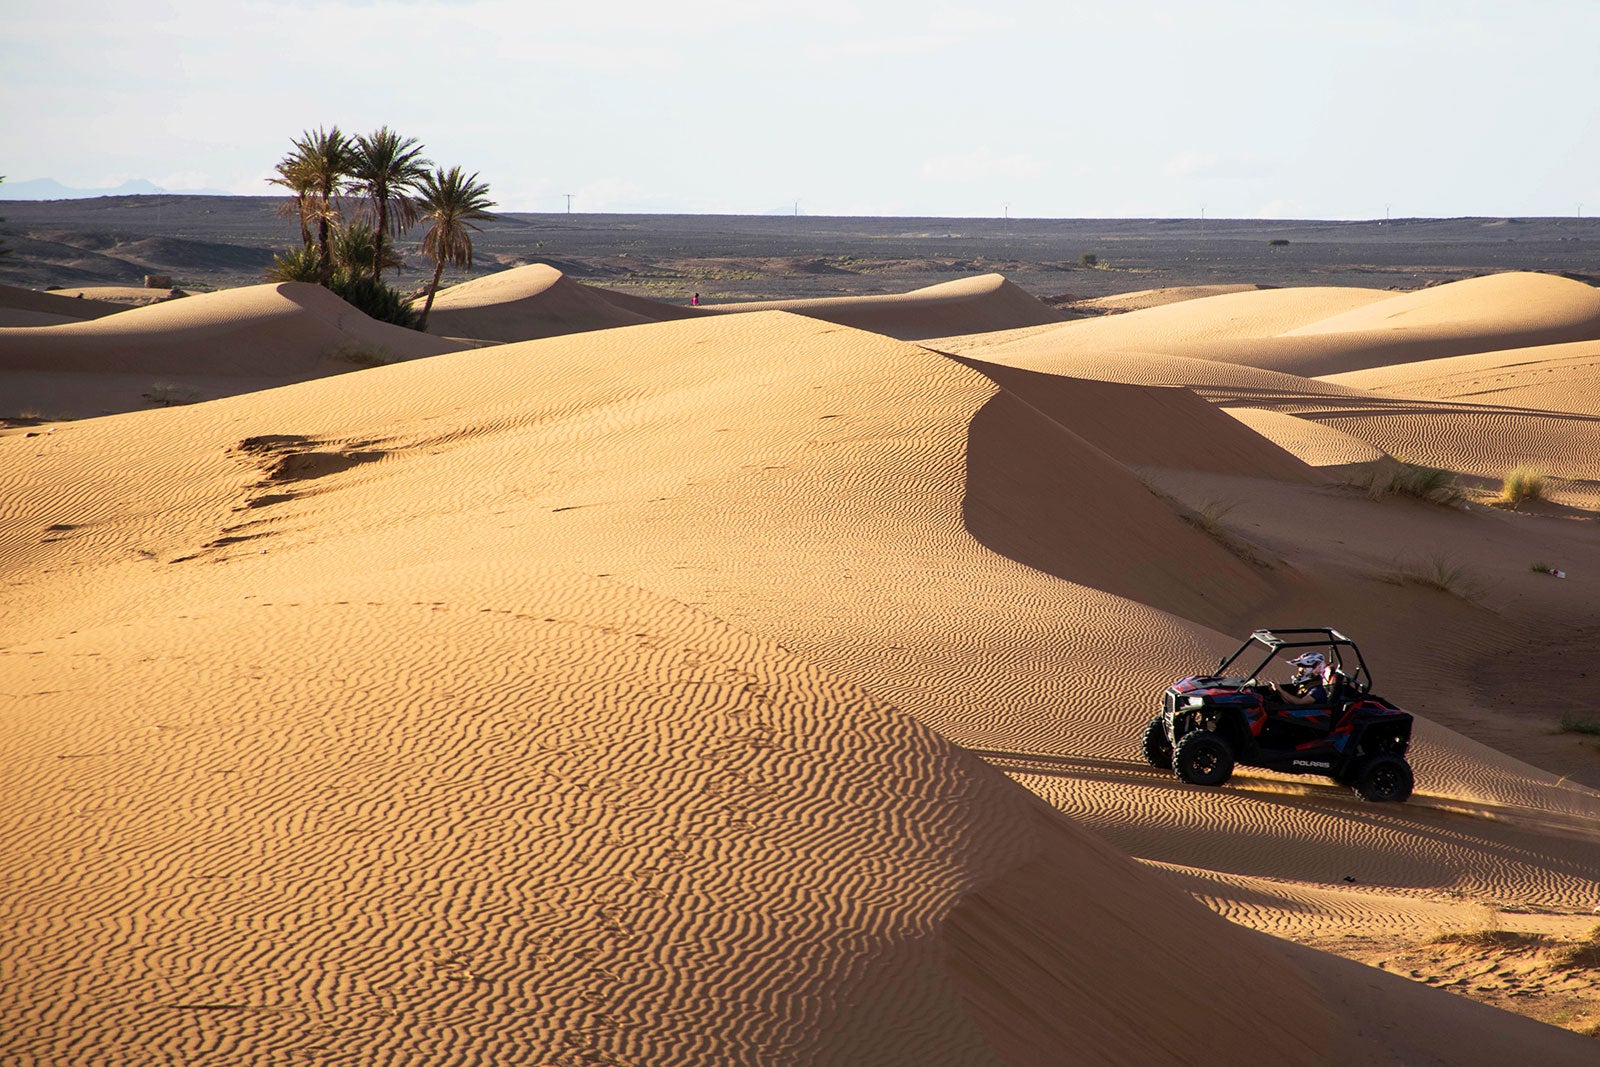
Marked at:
<point>363,354</point>
<point>1428,484</point>
<point>1207,518</point>
<point>1585,953</point>
<point>168,395</point>
<point>1521,485</point>
<point>1438,572</point>
<point>1575,724</point>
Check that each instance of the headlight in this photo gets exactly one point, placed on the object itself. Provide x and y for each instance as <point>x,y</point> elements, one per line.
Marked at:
<point>1194,702</point>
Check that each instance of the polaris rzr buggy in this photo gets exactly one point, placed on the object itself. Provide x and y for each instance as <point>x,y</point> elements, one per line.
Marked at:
<point>1210,722</point>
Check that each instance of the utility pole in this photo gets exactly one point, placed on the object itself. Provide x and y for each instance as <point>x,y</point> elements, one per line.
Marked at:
<point>1202,220</point>
<point>797,209</point>
<point>569,203</point>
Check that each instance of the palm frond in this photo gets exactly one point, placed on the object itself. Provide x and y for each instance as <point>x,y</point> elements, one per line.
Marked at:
<point>450,202</point>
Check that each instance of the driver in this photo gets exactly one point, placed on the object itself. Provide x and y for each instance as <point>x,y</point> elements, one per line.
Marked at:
<point>1308,686</point>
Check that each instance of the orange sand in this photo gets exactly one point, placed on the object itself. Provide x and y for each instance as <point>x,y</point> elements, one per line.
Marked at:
<point>757,689</point>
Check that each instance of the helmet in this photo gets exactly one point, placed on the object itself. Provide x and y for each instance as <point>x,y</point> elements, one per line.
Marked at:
<point>1311,661</point>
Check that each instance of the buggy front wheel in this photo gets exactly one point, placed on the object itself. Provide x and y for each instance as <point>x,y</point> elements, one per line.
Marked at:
<point>1203,758</point>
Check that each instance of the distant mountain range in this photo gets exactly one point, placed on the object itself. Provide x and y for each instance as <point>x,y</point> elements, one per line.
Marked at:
<point>50,189</point>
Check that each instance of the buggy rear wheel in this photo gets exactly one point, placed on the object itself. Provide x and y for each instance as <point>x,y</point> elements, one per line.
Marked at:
<point>1203,758</point>
<point>1157,749</point>
<point>1383,777</point>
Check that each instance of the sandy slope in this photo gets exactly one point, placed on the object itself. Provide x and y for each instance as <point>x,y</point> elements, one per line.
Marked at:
<point>538,701</point>
<point>200,347</point>
<point>1557,377</point>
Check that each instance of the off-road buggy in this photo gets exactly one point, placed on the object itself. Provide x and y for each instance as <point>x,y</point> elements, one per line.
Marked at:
<point>1210,722</point>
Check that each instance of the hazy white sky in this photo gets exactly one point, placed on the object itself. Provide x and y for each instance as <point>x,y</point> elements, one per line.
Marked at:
<point>1108,108</point>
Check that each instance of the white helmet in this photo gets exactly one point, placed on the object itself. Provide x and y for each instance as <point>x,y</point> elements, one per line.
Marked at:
<point>1310,662</point>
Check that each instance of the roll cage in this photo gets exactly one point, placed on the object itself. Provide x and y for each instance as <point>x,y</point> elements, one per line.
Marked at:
<point>1320,637</point>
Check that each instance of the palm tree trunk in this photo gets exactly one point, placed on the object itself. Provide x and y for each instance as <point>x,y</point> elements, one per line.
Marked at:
<point>383,234</point>
<point>324,257</point>
<point>433,287</point>
<point>324,263</point>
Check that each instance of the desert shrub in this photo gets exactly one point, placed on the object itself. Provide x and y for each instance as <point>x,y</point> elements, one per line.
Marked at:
<point>356,245</point>
<point>1585,953</point>
<point>363,355</point>
<point>168,395</point>
<point>350,282</point>
<point>1089,259</point>
<point>1521,485</point>
<point>1487,937</point>
<point>1439,573</point>
<point>297,264</point>
<point>1278,242</point>
<point>352,249</point>
<point>1418,482</point>
<point>1576,724</point>
<point>1208,517</point>
<point>375,299</point>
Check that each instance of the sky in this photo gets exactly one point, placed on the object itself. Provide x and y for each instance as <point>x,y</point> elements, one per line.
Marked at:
<point>1344,109</point>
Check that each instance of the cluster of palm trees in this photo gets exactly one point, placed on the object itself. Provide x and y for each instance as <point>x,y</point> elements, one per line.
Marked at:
<point>392,187</point>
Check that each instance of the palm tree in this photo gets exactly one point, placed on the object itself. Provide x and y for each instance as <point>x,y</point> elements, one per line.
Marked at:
<point>386,171</point>
<point>449,202</point>
<point>321,163</point>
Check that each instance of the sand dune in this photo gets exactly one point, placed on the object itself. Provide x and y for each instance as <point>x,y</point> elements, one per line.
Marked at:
<point>537,301</point>
<point>18,317</point>
<point>1313,443</point>
<point>1478,414</point>
<point>1311,332</point>
<point>1178,429</point>
<point>197,348</point>
<point>121,296</point>
<point>599,697</point>
<point>1556,377</point>
<point>1150,298</point>
<point>1185,327</point>
<point>534,301</point>
<point>53,303</point>
<point>970,305</point>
